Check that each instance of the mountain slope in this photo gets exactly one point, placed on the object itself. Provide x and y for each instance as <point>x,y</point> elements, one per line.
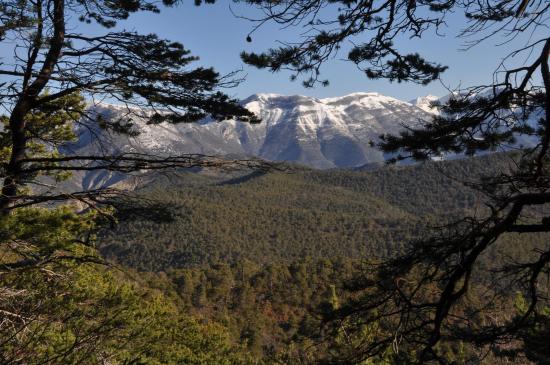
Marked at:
<point>291,215</point>
<point>425,103</point>
<point>319,133</point>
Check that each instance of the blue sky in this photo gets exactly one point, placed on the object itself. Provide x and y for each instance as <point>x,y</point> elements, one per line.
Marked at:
<point>217,37</point>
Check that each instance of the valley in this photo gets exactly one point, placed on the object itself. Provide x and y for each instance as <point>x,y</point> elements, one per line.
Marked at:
<point>266,254</point>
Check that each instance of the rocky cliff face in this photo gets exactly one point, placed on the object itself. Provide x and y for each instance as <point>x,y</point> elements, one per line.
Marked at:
<point>319,133</point>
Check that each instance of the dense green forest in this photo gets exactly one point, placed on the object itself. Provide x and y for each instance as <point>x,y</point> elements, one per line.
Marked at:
<point>267,255</point>
<point>225,268</point>
<point>273,311</point>
<point>297,213</point>
<point>436,263</point>
<point>280,313</point>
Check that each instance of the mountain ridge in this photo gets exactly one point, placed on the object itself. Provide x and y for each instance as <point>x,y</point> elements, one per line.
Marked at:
<point>319,133</point>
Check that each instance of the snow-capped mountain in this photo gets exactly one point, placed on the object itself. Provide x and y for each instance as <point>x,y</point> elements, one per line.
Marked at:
<point>320,133</point>
<point>425,103</point>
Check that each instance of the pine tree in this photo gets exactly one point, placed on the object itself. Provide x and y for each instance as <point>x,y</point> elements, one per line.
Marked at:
<point>417,295</point>
<point>51,59</point>
<point>50,69</point>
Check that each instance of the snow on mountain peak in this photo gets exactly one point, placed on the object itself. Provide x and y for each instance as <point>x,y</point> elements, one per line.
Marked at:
<point>425,103</point>
<point>321,133</point>
<point>262,96</point>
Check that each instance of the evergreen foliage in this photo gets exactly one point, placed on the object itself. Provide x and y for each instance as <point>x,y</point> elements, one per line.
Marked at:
<point>43,90</point>
<point>281,312</point>
<point>441,298</point>
<point>57,304</point>
<point>291,215</point>
<point>512,110</point>
<point>70,309</point>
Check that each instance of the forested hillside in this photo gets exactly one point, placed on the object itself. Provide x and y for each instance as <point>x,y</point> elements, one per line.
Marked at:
<point>276,313</point>
<point>272,311</point>
<point>266,254</point>
<point>291,214</point>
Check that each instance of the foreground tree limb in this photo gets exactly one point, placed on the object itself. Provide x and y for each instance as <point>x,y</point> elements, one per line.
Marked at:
<point>423,300</point>
<point>59,65</point>
<point>52,310</point>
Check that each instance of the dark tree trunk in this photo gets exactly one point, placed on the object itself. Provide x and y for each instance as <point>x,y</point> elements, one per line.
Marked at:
<point>26,102</point>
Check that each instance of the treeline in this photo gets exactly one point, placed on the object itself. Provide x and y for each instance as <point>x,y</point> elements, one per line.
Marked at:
<point>74,309</point>
<point>239,313</point>
<point>267,256</point>
<point>289,215</point>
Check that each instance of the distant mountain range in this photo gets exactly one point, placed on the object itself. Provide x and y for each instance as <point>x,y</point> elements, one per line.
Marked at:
<point>319,133</point>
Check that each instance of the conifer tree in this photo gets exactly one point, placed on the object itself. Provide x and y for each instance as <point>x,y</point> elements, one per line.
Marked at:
<point>50,69</point>
<point>416,295</point>
<point>47,59</point>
